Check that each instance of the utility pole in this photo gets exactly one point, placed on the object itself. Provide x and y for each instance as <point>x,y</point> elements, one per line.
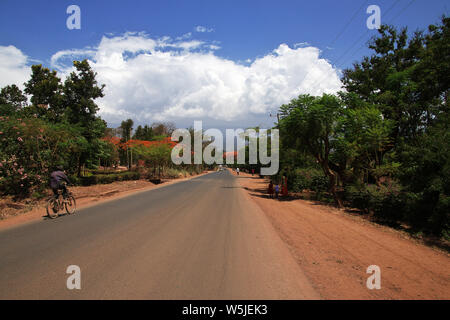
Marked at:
<point>278,117</point>
<point>128,159</point>
<point>131,150</point>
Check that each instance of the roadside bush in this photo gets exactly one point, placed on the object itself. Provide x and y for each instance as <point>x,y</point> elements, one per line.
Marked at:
<point>104,172</point>
<point>195,169</point>
<point>388,206</point>
<point>29,147</point>
<point>104,178</point>
<point>428,212</point>
<point>173,173</point>
<point>307,179</point>
<point>422,211</point>
<point>386,203</point>
<point>440,219</point>
<point>358,198</point>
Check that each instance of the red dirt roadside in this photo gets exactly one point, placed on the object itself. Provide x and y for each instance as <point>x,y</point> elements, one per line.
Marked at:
<point>334,250</point>
<point>13,213</point>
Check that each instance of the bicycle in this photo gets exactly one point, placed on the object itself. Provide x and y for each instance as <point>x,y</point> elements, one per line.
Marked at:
<point>59,202</point>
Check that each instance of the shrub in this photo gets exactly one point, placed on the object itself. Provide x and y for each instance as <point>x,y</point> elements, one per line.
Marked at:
<point>388,206</point>
<point>358,198</point>
<point>311,179</point>
<point>386,203</point>
<point>104,178</point>
<point>172,173</point>
<point>103,172</point>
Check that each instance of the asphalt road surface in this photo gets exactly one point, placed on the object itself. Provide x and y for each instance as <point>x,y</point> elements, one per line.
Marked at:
<point>199,239</point>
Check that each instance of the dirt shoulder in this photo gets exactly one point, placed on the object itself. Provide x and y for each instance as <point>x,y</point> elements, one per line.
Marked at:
<point>335,248</point>
<point>16,213</point>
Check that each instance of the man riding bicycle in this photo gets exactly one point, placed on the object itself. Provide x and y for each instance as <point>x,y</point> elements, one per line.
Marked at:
<point>58,181</point>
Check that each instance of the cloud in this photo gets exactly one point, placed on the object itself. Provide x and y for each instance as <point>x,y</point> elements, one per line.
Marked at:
<point>163,79</point>
<point>301,44</point>
<point>58,58</point>
<point>13,67</point>
<point>203,29</point>
<point>185,36</point>
<point>183,79</point>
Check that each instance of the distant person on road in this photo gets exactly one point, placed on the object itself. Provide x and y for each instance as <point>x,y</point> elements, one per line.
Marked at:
<point>57,179</point>
<point>277,190</point>
<point>237,171</point>
<point>253,172</point>
<point>270,190</point>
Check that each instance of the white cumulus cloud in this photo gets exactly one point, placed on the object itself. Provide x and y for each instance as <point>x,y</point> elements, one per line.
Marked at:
<point>13,67</point>
<point>163,79</point>
<point>183,79</point>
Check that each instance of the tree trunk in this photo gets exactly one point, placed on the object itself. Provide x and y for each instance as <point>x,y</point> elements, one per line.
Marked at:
<point>332,184</point>
<point>333,191</point>
<point>79,167</point>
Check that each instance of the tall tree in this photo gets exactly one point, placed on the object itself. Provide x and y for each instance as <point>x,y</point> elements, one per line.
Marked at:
<point>45,90</point>
<point>310,124</point>
<point>163,128</point>
<point>127,128</point>
<point>13,96</point>
<point>80,91</point>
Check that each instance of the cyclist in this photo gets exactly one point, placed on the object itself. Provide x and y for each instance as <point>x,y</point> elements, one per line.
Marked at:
<point>57,179</point>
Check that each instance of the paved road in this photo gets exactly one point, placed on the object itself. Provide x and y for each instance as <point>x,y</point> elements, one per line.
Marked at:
<point>198,239</point>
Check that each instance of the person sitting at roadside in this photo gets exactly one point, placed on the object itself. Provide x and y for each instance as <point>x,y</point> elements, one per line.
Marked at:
<point>277,190</point>
<point>270,189</point>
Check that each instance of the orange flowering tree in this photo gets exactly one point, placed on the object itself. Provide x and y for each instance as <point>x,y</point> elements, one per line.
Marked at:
<point>154,154</point>
<point>151,154</point>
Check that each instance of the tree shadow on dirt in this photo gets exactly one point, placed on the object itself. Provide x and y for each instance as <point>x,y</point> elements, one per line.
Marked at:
<point>327,201</point>
<point>426,239</point>
<point>262,192</point>
<point>243,177</point>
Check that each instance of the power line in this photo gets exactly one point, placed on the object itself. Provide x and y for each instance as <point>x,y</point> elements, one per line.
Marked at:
<point>390,22</point>
<point>401,11</point>
<point>353,45</point>
<point>348,23</point>
<point>364,34</point>
<point>342,31</point>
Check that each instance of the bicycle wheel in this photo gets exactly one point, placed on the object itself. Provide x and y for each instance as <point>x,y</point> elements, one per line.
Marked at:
<point>70,204</point>
<point>52,208</point>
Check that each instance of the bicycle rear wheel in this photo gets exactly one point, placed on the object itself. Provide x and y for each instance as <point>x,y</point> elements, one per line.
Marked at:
<point>52,208</point>
<point>70,204</point>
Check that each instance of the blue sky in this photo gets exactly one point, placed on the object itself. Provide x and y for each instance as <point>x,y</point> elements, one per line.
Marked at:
<point>240,30</point>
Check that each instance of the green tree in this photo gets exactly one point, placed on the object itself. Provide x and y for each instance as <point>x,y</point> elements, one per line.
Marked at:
<point>30,148</point>
<point>45,90</point>
<point>156,156</point>
<point>310,123</point>
<point>12,96</point>
<point>143,133</point>
<point>407,80</point>
<point>80,91</point>
<point>126,129</point>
